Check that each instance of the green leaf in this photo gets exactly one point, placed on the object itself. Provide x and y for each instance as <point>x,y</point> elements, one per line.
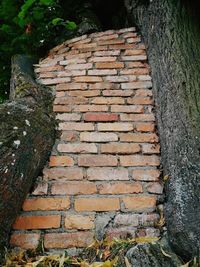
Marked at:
<point>46,2</point>
<point>6,28</point>
<point>38,13</point>
<point>56,21</point>
<point>70,25</point>
<point>22,14</point>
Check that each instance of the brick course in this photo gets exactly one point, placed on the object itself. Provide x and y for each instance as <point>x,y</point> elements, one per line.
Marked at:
<point>105,161</point>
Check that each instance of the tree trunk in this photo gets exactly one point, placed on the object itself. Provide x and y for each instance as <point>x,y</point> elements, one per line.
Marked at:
<point>27,135</point>
<point>172,38</point>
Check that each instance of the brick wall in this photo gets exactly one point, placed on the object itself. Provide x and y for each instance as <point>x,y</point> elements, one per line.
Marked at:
<point>103,173</point>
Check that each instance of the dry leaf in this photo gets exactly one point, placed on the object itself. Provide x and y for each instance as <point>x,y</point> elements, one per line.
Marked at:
<point>165,254</point>
<point>127,262</point>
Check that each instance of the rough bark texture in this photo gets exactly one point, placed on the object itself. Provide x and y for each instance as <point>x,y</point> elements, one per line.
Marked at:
<point>172,39</point>
<point>27,135</point>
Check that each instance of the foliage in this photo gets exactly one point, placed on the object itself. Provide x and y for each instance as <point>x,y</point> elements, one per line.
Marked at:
<point>29,27</point>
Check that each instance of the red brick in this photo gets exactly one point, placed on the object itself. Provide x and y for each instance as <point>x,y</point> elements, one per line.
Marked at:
<point>143,92</point>
<point>60,94</point>
<point>134,58</point>
<point>140,101</point>
<point>71,73</point>
<point>111,42</point>
<point>96,204</point>
<point>79,222</point>
<point>145,127</point>
<point>139,137</point>
<point>47,75</point>
<point>37,222</point>
<point>57,161</point>
<point>68,100</point>
<point>137,117</point>
<point>79,66</point>
<point>87,93</point>
<point>136,71</point>
<point>84,46</point>
<point>116,127</point>
<point>127,109</point>
<point>25,241</point>
<point>69,136</point>
<point>106,37</point>
<point>121,46</point>
<point>54,81</point>
<point>97,160</point>
<point>61,108</point>
<point>139,160</point>
<point>68,117</point>
<point>120,188</point>
<point>86,108</point>
<point>68,240</point>
<point>48,69</point>
<point>100,117</point>
<point>76,126</point>
<point>107,100</point>
<point>150,148</point>
<point>77,148</point>
<point>129,34</point>
<point>73,188</point>
<point>104,85</point>
<point>133,52</point>
<point>71,86</point>
<point>107,53</point>
<point>117,148</point>
<point>88,79</point>
<point>63,173</point>
<point>98,137</point>
<point>46,204</point>
<point>140,203</point>
<point>136,64</point>
<point>146,175</point>
<point>72,61</point>
<point>136,85</point>
<point>120,79</point>
<point>109,65</point>
<point>131,29</point>
<point>108,174</point>
<point>118,92</point>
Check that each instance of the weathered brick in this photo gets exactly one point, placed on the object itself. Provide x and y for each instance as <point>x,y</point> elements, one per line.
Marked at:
<point>72,61</point>
<point>68,117</point>
<point>40,188</point>
<point>97,160</point>
<point>71,100</point>
<point>92,49</point>
<point>47,75</point>
<point>145,127</point>
<point>25,241</point>
<point>73,188</point>
<point>76,39</point>
<point>88,93</point>
<point>77,148</point>
<point>120,188</point>
<point>63,173</point>
<point>126,220</point>
<point>117,148</point>
<point>86,108</point>
<point>137,64</point>
<point>109,174</point>
<point>102,72</point>
<point>146,175</point>
<point>68,240</point>
<point>133,52</point>
<point>120,79</point>
<point>54,81</point>
<point>48,69</point>
<point>109,65</point>
<point>139,137</point>
<point>137,117</point>
<point>150,148</point>
<point>116,127</point>
<point>37,222</point>
<point>120,233</point>
<point>46,204</point>
<point>96,204</point>
<point>106,37</point>
<point>127,109</point>
<point>154,188</point>
<point>88,79</point>
<point>60,94</point>
<point>135,71</point>
<point>100,117</point>
<point>69,136</point>
<point>140,203</point>
<point>56,161</point>
<point>98,137</point>
<point>144,78</point>
<point>61,108</point>
<point>107,100</point>
<point>136,85</point>
<point>118,92</point>
<point>131,29</point>
<point>104,85</point>
<point>76,126</point>
<point>140,101</point>
<point>112,42</point>
<point>71,86</point>
<point>121,46</point>
<point>139,160</point>
<point>102,59</point>
<point>143,92</point>
<point>79,222</point>
<point>129,34</point>
<point>107,53</point>
<point>134,58</point>
<point>70,73</point>
<point>84,46</point>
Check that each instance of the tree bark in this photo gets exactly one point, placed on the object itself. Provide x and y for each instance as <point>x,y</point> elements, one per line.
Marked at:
<point>172,38</point>
<point>27,135</point>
